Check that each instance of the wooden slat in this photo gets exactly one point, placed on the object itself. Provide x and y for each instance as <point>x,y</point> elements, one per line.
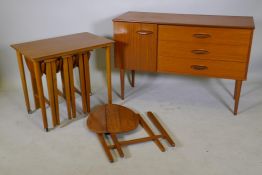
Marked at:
<point>135,141</point>
<point>67,86</point>
<point>108,74</point>
<point>151,133</point>
<point>160,128</point>
<point>72,86</point>
<point>117,145</point>
<point>106,149</point>
<point>23,80</point>
<point>40,93</point>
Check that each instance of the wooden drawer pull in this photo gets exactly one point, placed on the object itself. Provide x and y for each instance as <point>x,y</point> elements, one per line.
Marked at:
<point>201,35</point>
<point>199,51</point>
<point>199,67</point>
<point>144,32</point>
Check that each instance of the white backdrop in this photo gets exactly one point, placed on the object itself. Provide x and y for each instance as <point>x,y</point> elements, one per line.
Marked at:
<point>25,20</point>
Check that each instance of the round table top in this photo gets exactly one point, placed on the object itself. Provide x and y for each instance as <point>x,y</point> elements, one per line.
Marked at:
<point>112,118</point>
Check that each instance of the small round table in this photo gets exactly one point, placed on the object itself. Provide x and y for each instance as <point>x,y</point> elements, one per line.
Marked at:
<point>115,119</point>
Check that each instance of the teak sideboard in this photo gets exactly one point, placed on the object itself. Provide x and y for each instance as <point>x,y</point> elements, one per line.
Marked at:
<point>203,45</point>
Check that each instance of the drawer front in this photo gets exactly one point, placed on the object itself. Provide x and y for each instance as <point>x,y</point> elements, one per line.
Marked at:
<point>198,35</point>
<point>220,69</point>
<point>203,50</point>
<point>135,46</point>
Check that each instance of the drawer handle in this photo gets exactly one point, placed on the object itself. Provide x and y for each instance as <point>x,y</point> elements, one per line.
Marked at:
<point>199,67</point>
<point>200,51</point>
<point>144,32</point>
<point>201,35</point>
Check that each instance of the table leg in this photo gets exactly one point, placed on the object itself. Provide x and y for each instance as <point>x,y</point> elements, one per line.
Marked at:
<point>237,95</point>
<point>82,83</point>
<point>34,87</point>
<point>122,82</point>
<point>117,144</point>
<point>106,149</point>
<point>53,64</point>
<point>23,80</point>
<point>40,92</point>
<point>66,86</point>
<point>151,133</point>
<point>72,85</point>
<point>108,74</point>
<point>87,79</point>
<point>51,94</point>
<point>133,78</point>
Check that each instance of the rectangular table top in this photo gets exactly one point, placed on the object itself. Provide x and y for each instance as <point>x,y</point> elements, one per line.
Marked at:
<point>245,22</point>
<point>63,45</point>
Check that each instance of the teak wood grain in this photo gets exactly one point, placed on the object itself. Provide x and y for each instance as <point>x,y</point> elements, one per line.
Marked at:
<point>187,19</point>
<point>203,45</point>
<point>63,45</point>
<point>49,56</point>
<point>136,43</point>
<point>112,119</point>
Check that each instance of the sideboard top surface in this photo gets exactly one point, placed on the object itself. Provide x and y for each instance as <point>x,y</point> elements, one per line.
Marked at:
<point>245,22</point>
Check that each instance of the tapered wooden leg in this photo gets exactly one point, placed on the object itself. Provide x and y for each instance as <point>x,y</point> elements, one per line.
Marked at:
<point>82,83</point>
<point>63,82</point>
<point>108,74</point>
<point>23,80</point>
<point>72,86</point>
<point>34,87</point>
<point>160,128</point>
<point>51,91</point>
<point>122,82</point>
<point>67,87</point>
<point>151,133</point>
<point>237,95</point>
<point>53,64</point>
<point>117,144</point>
<point>40,93</point>
<point>87,79</point>
<point>133,78</point>
<point>106,149</point>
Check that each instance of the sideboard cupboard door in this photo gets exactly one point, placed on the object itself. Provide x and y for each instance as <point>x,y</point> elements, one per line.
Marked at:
<point>135,47</point>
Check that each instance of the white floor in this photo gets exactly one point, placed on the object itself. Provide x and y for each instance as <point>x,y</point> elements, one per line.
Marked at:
<point>197,112</point>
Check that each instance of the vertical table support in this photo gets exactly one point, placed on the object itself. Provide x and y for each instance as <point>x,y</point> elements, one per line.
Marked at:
<point>237,93</point>
<point>39,84</point>
<point>108,74</point>
<point>23,80</point>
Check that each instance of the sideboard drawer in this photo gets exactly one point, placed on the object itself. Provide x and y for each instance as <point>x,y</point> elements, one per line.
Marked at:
<point>225,69</point>
<point>203,50</point>
<point>193,34</point>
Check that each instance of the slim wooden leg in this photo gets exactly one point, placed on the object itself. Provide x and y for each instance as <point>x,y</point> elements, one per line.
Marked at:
<point>63,82</point>
<point>160,128</point>
<point>151,134</point>
<point>106,149</point>
<point>108,74</point>
<point>72,86</point>
<point>82,82</point>
<point>34,87</point>
<point>51,91</point>
<point>40,92</point>
<point>118,146</point>
<point>133,78</point>
<point>122,82</point>
<point>237,95</point>
<point>23,80</point>
<point>53,64</point>
<point>67,87</point>
<point>87,79</point>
